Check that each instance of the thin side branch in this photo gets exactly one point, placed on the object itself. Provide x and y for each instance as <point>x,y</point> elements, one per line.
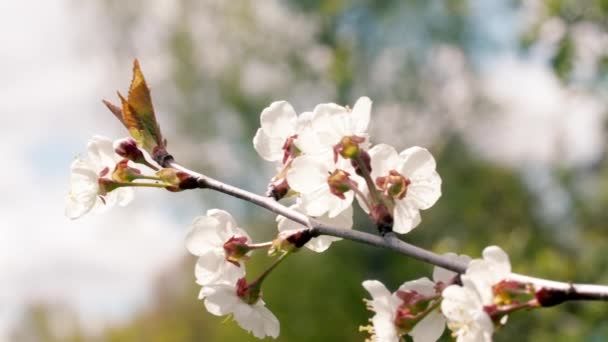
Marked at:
<point>557,291</point>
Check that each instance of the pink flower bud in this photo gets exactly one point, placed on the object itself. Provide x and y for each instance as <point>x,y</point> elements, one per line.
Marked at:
<point>127,148</point>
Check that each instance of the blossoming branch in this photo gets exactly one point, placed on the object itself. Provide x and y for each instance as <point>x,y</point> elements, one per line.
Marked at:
<point>325,162</point>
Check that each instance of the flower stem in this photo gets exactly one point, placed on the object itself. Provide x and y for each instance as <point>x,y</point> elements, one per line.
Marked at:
<point>260,245</point>
<point>276,263</point>
<point>141,185</point>
<point>365,174</point>
<point>154,178</point>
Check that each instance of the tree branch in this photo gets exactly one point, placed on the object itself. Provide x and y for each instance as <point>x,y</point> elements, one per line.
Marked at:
<point>556,292</point>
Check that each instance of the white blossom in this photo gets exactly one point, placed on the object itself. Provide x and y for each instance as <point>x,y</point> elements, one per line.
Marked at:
<point>280,123</point>
<point>489,271</point>
<point>331,122</point>
<point>206,240</point>
<point>464,311</point>
<point>85,193</point>
<point>222,299</point>
<point>409,178</point>
<point>386,305</point>
<point>464,306</point>
<point>321,243</point>
<point>309,175</point>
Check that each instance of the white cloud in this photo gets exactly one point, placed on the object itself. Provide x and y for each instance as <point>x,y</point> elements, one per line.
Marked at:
<point>102,266</point>
<point>535,119</point>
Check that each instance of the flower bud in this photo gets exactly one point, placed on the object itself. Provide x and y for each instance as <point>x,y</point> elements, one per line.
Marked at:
<point>127,148</point>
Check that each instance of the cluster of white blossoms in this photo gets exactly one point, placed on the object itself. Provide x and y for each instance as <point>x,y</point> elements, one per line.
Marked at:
<point>326,160</point>
<point>471,304</point>
<point>222,247</point>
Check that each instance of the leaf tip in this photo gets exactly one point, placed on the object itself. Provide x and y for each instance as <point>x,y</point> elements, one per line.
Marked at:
<point>114,109</point>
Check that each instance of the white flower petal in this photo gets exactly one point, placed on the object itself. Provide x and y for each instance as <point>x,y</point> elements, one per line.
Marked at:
<point>331,122</point>
<point>226,221</point>
<point>279,120</point>
<point>203,235</point>
<point>382,298</point>
<point>429,329</point>
<point>101,152</point>
<point>465,313</point>
<point>405,217</point>
<point>417,161</point>
<point>220,299</point>
<point>258,320</point>
<point>424,192</point>
<point>459,303</point>
<point>383,159</point>
<point>384,329</point>
<point>385,305</point>
<point>308,173</point>
<point>269,148</point>
<point>317,203</point>
<point>424,286</point>
<point>212,268</point>
<point>337,205</point>
<point>361,114</point>
<point>485,273</point>
<point>499,261</point>
<point>84,189</point>
<point>84,185</point>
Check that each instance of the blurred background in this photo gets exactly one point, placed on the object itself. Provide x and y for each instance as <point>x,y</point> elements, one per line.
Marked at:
<point>509,95</point>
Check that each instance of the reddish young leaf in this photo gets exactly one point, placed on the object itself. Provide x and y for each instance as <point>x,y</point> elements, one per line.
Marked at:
<point>140,114</point>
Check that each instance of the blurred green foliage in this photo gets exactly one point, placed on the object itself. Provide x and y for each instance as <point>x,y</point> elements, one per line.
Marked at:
<point>318,297</point>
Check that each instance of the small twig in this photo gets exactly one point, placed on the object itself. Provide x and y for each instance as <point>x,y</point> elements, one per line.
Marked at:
<point>565,291</point>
